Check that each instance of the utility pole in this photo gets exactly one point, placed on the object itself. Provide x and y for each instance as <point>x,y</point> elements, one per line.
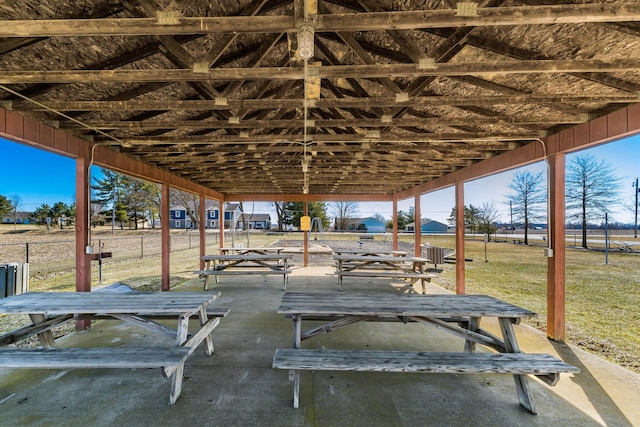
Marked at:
<point>606,238</point>
<point>511,212</point>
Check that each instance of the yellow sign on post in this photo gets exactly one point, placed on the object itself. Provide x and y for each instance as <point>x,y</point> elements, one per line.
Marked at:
<point>305,223</point>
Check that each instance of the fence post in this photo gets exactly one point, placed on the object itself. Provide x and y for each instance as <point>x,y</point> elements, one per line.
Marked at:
<point>27,252</point>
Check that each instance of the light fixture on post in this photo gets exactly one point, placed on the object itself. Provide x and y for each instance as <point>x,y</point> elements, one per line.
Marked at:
<point>305,164</point>
<point>305,38</point>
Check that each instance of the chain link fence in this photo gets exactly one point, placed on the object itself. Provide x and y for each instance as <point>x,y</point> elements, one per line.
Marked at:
<point>49,257</point>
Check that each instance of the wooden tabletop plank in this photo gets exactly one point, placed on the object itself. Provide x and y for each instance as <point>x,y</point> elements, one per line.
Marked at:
<point>247,257</point>
<point>368,252</point>
<point>399,305</point>
<point>368,258</point>
<point>56,303</point>
<point>256,249</point>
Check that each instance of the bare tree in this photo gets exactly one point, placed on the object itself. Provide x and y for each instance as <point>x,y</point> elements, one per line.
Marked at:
<point>189,201</point>
<point>284,216</point>
<point>592,188</point>
<point>16,204</point>
<point>488,215</point>
<point>343,211</point>
<point>528,198</point>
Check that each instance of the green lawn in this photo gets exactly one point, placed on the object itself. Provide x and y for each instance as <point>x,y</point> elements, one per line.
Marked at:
<point>602,300</point>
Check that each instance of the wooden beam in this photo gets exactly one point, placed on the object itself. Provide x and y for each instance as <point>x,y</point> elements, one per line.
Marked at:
<point>375,21</point>
<point>328,123</point>
<point>83,263</point>
<point>417,228</point>
<point>165,205</point>
<point>364,103</point>
<point>556,329</point>
<point>460,231</point>
<point>449,137</point>
<point>289,73</point>
<point>202,230</point>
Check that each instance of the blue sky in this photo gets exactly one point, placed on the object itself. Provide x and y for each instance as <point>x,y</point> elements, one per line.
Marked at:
<point>27,171</point>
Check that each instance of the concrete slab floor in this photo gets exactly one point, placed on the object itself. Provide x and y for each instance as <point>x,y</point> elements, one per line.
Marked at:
<point>238,387</point>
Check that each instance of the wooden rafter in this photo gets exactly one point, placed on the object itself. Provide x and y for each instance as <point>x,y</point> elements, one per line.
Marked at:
<point>363,71</point>
<point>269,103</point>
<point>378,21</point>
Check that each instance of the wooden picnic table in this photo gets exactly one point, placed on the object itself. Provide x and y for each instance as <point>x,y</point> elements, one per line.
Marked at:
<point>457,314</point>
<point>410,269</point>
<point>256,250</point>
<point>48,309</point>
<point>239,264</point>
<point>369,252</point>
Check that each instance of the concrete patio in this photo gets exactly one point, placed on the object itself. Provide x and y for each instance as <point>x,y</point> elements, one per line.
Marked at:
<point>238,387</point>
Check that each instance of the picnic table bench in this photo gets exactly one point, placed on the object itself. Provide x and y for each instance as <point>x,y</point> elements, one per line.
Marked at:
<point>409,269</point>
<point>48,309</point>
<point>246,264</point>
<point>457,314</point>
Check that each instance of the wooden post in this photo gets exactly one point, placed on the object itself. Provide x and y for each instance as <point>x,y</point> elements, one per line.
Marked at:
<point>166,239</point>
<point>306,237</point>
<point>417,242</point>
<point>460,286</point>
<point>203,230</point>
<point>83,262</point>
<point>556,262</point>
<point>221,223</point>
<point>395,224</point>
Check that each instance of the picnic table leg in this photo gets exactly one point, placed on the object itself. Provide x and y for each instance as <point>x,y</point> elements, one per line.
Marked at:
<point>215,267</point>
<point>176,379</point>
<point>202,315</point>
<point>284,276</point>
<point>206,277</point>
<point>295,373</point>
<point>511,346</point>
<point>473,326</point>
<point>46,337</point>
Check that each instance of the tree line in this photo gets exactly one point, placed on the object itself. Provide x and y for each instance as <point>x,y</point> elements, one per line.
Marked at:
<point>591,189</point>
<point>60,214</point>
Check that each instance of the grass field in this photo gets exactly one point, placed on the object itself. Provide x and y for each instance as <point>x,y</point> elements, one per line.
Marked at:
<point>602,300</point>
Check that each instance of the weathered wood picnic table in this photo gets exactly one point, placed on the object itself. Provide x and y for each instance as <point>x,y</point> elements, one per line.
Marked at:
<point>369,252</point>
<point>48,309</point>
<point>457,314</point>
<point>249,250</point>
<point>245,264</point>
<point>409,269</point>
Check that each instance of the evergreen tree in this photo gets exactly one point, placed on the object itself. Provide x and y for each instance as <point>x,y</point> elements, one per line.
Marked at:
<point>61,214</point>
<point>40,214</point>
<point>5,205</point>
<point>316,210</point>
<point>109,191</point>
